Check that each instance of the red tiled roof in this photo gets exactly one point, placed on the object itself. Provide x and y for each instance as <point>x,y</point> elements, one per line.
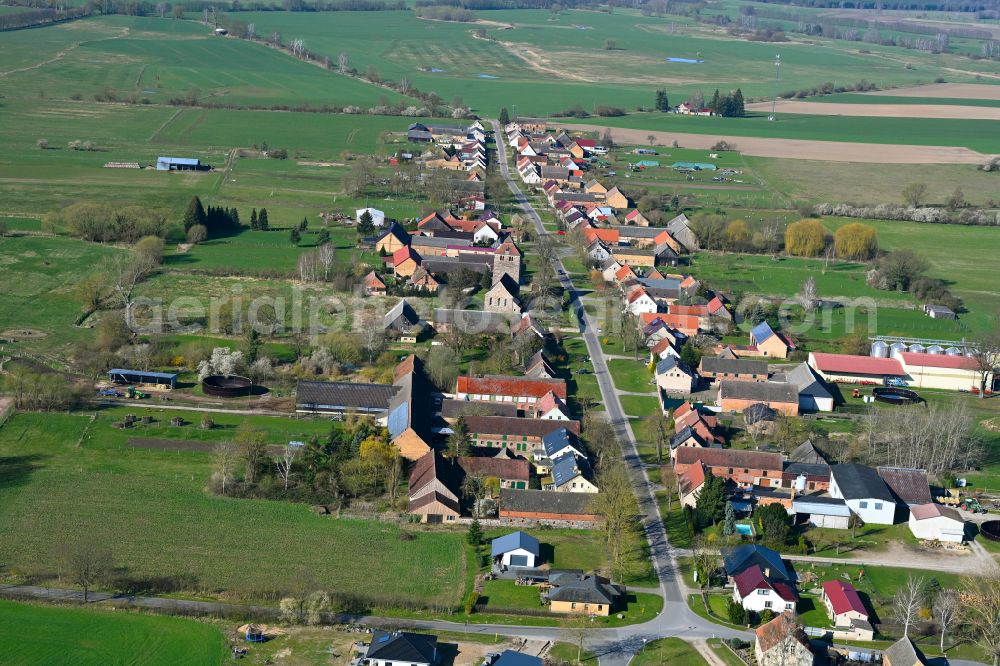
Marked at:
<point>606,235</point>
<point>939,361</point>
<point>586,143</point>
<point>636,295</point>
<point>511,386</point>
<point>404,253</point>
<point>691,479</point>
<point>857,365</point>
<point>753,578</point>
<point>694,310</point>
<point>648,318</point>
<point>624,272</point>
<point>843,597</point>
<point>771,634</point>
<point>687,324</point>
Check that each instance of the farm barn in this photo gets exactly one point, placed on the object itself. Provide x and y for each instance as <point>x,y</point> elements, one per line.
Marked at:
<point>180,164</point>
<point>123,376</point>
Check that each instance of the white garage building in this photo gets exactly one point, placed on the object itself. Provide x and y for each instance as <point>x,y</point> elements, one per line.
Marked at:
<point>937,523</point>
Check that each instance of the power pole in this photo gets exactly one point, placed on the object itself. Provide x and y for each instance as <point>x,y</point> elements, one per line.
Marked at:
<point>774,87</point>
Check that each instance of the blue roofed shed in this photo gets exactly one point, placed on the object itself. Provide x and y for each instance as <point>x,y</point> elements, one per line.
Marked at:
<point>515,550</point>
<point>123,376</point>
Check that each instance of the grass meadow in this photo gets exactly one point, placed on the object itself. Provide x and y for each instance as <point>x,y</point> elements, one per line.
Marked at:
<point>33,634</point>
<point>974,134</point>
<point>171,537</point>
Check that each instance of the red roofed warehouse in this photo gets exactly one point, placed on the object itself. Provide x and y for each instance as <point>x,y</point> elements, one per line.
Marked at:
<point>848,369</point>
<point>941,371</point>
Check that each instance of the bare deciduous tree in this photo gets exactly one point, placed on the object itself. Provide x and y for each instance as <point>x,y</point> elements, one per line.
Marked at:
<point>342,63</point>
<point>226,456</point>
<point>125,272</point>
<point>286,461</point>
<point>87,564</point>
<point>327,257</point>
<point>907,602</point>
<point>946,608</point>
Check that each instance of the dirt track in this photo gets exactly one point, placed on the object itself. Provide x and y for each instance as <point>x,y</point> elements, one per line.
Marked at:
<point>947,90</point>
<point>800,149</point>
<point>882,110</point>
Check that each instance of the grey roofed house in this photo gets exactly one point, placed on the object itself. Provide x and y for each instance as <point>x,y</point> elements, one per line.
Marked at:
<point>584,588</point>
<point>739,558</point>
<point>344,397</point>
<point>399,232</point>
<point>668,363</point>
<point>555,172</point>
<point>452,409</point>
<point>807,453</point>
<point>567,467</point>
<point>401,318</point>
<point>402,647</point>
<point>538,366</point>
<point>860,482</point>
<point>543,501</point>
<point>557,440</point>
<point>803,377</point>
<point>766,392</point>
<point>736,366</point>
<point>759,413</point>
<point>910,486</point>
<point>903,653</point>
<point>475,321</point>
<point>682,233</point>
<point>684,435</point>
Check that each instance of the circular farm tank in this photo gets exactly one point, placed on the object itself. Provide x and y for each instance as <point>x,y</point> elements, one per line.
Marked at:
<point>233,386</point>
<point>991,530</point>
<point>892,395</point>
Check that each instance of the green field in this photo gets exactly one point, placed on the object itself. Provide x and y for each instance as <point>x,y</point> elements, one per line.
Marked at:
<point>31,634</point>
<point>874,98</point>
<point>169,536</point>
<point>159,59</point>
<point>974,134</point>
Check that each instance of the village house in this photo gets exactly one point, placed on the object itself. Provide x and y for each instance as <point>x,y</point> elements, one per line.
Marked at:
<point>583,594</point>
<point>690,483</point>
<point>539,367</point>
<point>813,394</point>
<point>401,648</point>
<point>903,653</point>
<point>551,408</point>
<point>405,261</point>
<point>864,491</point>
<point>736,396</point>
<point>400,319</point>
<point>617,199</point>
<point>421,280</point>
<point>760,579</point>
<point>392,239</point>
<point>571,474</point>
<point>558,443</point>
<point>843,603</point>
<point>373,285</point>
<point>782,642</point>
<point>767,342</point>
<point>673,376</point>
<point>640,302</point>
